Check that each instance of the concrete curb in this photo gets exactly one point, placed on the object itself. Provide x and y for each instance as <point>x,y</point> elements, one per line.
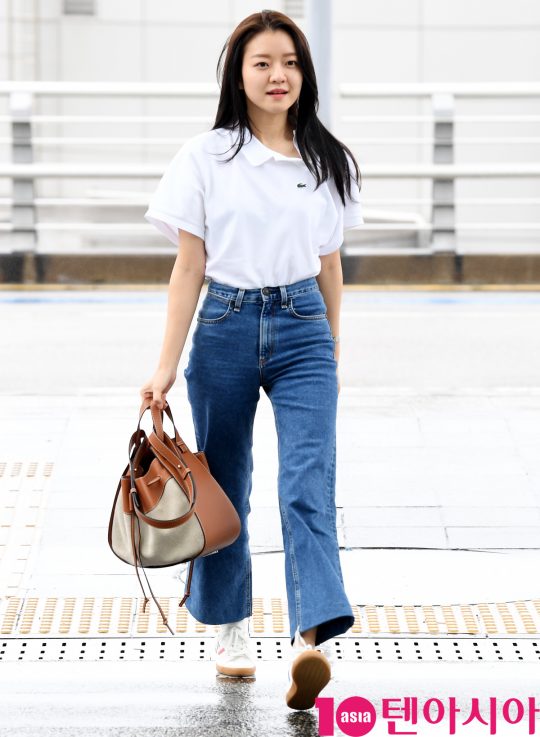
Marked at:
<point>369,268</point>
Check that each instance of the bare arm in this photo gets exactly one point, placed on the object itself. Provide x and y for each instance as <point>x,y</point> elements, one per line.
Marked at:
<point>330,281</point>
<point>187,279</point>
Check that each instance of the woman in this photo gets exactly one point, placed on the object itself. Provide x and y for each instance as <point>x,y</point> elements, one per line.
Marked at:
<point>265,226</point>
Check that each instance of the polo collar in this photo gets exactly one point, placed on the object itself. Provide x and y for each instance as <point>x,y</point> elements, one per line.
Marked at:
<point>257,153</point>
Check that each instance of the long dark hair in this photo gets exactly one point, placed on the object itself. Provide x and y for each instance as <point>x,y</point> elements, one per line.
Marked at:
<point>323,153</point>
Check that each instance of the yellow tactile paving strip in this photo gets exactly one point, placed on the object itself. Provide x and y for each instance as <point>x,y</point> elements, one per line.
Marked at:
<point>23,487</point>
<point>117,616</point>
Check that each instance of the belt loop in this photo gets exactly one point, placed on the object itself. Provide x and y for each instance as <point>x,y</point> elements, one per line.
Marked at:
<point>283,291</point>
<point>238,300</point>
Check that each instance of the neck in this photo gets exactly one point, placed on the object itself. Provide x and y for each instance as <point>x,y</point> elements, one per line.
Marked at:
<point>272,129</point>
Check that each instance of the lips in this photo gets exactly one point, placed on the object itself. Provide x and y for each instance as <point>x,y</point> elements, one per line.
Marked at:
<point>277,92</point>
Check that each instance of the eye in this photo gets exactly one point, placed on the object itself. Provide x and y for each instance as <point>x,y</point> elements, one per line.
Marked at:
<point>291,61</point>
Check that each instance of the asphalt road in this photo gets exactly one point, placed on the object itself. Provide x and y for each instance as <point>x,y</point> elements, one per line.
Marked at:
<point>59,341</point>
<point>189,699</point>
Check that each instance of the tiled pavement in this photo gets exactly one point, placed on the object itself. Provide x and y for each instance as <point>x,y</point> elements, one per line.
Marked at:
<point>438,488</point>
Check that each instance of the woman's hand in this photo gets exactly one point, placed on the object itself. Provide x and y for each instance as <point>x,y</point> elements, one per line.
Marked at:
<point>158,386</point>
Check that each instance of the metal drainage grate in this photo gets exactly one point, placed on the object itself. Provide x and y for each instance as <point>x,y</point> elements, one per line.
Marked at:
<point>115,628</point>
<point>369,649</point>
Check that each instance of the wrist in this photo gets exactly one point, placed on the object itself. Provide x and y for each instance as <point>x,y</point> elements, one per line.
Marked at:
<point>168,368</point>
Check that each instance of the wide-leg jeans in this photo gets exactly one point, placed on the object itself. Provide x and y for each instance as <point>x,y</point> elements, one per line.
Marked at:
<point>279,338</point>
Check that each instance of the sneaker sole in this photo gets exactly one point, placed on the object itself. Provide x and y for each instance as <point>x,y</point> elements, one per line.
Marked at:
<point>310,672</point>
<point>228,671</point>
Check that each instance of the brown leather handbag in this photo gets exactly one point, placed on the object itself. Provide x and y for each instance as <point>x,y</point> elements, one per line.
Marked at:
<point>168,493</point>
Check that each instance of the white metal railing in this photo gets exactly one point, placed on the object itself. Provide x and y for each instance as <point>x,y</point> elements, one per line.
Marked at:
<point>201,89</point>
<point>441,172</point>
<point>428,89</point>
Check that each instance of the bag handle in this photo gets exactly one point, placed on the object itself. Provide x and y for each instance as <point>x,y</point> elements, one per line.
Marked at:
<point>167,451</point>
<point>169,460</point>
<point>157,418</point>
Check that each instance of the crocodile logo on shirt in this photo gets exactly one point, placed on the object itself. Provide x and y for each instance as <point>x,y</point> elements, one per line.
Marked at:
<point>300,184</point>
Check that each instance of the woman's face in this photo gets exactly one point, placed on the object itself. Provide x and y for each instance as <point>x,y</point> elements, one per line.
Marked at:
<point>270,62</point>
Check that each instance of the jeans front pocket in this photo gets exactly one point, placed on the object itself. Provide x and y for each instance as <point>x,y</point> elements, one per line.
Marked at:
<point>214,309</point>
<point>308,305</point>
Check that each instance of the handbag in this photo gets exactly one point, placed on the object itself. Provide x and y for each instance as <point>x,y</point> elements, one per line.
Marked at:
<point>168,508</point>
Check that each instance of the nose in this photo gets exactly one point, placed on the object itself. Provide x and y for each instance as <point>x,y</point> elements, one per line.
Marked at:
<point>278,73</point>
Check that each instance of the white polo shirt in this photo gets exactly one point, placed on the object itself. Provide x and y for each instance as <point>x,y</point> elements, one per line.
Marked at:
<point>261,219</point>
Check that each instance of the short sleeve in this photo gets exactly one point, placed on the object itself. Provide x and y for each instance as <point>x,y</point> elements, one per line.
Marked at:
<point>178,201</point>
<point>349,216</point>
<point>352,215</point>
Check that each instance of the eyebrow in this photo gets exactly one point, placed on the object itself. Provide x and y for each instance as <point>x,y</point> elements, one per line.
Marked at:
<point>267,56</point>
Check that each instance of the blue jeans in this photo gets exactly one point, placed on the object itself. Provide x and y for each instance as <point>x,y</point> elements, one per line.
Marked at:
<point>278,338</point>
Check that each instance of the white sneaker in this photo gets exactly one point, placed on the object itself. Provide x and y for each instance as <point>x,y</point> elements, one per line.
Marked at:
<point>309,672</point>
<point>234,656</point>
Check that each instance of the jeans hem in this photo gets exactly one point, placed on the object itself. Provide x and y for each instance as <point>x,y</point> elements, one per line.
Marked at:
<point>329,628</point>
<point>217,619</point>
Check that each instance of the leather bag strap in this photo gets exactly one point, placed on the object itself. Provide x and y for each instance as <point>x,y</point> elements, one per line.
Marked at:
<point>170,462</point>
<point>157,418</point>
